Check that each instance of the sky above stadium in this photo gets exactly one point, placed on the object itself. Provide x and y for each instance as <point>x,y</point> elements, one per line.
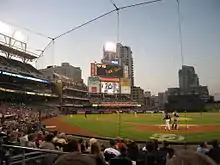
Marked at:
<point>150,30</point>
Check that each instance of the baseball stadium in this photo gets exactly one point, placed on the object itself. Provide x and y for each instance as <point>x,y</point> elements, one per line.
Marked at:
<point>51,115</point>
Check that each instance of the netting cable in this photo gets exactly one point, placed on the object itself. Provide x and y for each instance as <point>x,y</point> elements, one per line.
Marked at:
<point>99,17</point>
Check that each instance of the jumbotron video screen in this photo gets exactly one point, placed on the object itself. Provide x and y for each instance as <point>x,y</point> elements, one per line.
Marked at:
<point>104,70</point>
<point>110,87</point>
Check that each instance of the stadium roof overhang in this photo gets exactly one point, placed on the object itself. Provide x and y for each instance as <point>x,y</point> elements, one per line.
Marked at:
<point>9,45</point>
<point>15,52</point>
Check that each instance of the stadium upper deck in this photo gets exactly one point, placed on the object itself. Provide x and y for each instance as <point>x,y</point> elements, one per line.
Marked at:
<point>20,81</point>
<point>10,49</point>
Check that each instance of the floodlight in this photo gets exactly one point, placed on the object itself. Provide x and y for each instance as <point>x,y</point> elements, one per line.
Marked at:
<point>110,47</point>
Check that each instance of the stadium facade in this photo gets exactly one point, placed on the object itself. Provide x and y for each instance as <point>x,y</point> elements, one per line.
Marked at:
<point>20,81</point>
<point>72,91</point>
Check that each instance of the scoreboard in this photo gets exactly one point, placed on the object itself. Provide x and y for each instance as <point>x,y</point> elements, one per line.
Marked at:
<point>112,71</point>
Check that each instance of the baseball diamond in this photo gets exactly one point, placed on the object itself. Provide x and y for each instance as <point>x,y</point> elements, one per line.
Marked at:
<point>191,126</point>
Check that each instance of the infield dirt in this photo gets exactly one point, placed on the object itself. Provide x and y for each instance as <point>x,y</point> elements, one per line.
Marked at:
<point>65,127</point>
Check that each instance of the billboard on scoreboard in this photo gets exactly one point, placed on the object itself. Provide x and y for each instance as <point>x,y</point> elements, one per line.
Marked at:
<point>110,87</point>
<point>94,85</point>
<point>104,70</point>
<point>107,79</point>
<point>125,86</point>
<point>113,62</point>
<point>93,69</point>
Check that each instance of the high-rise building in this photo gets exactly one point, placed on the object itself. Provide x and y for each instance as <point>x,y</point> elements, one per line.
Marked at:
<point>147,93</point>
<point>137,94</point>
<point>162,98</point>
<point>147,97</point>
<point>126,60</point>
<point>122,55</point>
<point>190,95</point>
<point>188,78</point>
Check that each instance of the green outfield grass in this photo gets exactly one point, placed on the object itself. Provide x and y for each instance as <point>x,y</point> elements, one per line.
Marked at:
<point>125,125</point>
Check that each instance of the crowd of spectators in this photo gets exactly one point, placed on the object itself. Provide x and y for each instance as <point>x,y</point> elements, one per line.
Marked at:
<point>213,152</point>
<point>19,120</point>
<point>20,124</point>
<point>117,152</point>
<point>18,66</point>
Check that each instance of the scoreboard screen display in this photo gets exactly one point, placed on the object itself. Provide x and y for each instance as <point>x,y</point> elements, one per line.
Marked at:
<point>104,70</point>
<point>110,87</point>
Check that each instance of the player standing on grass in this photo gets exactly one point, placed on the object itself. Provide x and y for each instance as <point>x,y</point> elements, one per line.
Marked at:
<point>175,120</point>
<point>167,120</point>
<point>86,114</point>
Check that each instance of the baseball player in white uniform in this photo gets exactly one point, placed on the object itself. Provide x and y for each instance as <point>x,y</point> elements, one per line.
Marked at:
<point>175,120</point>
<point>167,120</point>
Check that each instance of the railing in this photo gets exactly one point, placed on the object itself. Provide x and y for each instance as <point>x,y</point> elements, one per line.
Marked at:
<point>18,155</point>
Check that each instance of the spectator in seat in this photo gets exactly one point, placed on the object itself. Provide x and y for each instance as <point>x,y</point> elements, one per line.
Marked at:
<point>48,144</point>
<point>39,138</point>
<point>203,148</point>
<point>214,152</point>
<point>155,142</point>
<point>91,141</point>
<point>151,154</point>
<point>133,151</point>
<point>72,146</point>
<point>119,142</point>
<point>75,159</point>
<point>122,159</point>
<point>164,152</point>
<point>111,152</point>
<point>96,152</point>
<point>82,145</point>
<point>190,158</point>
<point>31,143</point>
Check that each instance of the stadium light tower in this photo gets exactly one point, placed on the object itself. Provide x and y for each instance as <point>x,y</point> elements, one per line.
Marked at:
<point>110,47</point>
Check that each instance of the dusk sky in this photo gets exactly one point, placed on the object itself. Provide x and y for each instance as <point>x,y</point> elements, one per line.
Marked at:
<point>150,30</point>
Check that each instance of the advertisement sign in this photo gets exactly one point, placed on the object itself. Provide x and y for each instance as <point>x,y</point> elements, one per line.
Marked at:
<point>94,85</point>
<point>110,87</point>
<point>93,69</point>
<point>114,62</point>
<point>104,70</point>
<point>109,79</point>
<point>125,86</point>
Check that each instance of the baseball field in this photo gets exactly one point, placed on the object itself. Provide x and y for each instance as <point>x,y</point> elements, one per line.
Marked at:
<point>192,126</point>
